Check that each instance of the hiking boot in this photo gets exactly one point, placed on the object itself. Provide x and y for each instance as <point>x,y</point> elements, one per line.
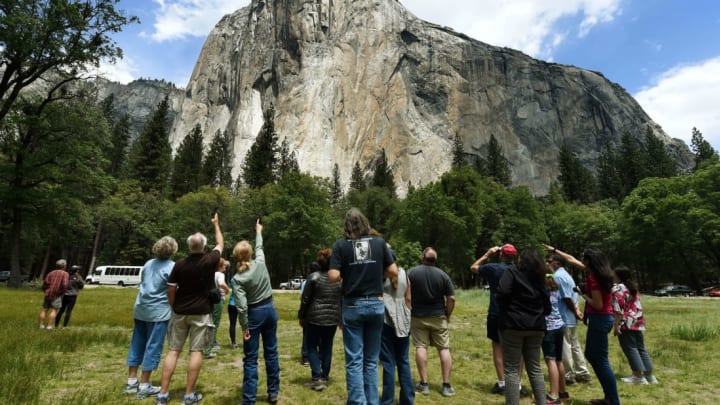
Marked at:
<point>149,391</point>
<point>273,399</point>
<point>583,378</point>
<point>635,380</point>
<point>570,381</point>
<point>210,355</point>
<point>234,346</point>
<point>497,389</point>
<point>564,396</point>
<point>131,388</point>
<point>447,390</point>
<point>423,388</point>
<point>523,392</point>
<point>194,398</point>
<point>319,385</point>
<point>162,399</point>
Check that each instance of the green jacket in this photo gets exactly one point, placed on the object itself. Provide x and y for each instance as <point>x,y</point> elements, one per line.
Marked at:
<point>252,285</point>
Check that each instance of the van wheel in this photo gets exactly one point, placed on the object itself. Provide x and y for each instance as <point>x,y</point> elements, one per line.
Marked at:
<point>121,284</point>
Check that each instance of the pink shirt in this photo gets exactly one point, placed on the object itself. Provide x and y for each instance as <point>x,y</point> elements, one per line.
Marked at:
<point>592,285</point>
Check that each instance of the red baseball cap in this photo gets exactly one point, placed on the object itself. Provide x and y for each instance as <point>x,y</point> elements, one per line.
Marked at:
<point>508,250</point>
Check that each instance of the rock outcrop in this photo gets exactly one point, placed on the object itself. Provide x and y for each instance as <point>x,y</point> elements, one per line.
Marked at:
<point>349,78</point>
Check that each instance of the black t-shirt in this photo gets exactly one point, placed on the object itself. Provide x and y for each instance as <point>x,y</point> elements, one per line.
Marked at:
<point>429,286</point>
<point>361,263</point>
<point>194,277</point>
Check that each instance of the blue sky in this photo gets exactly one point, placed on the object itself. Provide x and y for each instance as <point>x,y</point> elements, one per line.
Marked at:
<point>666,53</point>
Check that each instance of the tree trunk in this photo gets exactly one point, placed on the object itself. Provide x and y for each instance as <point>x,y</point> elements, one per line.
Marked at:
<point>96,243</point>
<point>15,277</point>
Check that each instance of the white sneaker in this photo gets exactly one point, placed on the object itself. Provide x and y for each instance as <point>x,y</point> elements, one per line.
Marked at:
<point>635,380</point>
<point>651,379</point>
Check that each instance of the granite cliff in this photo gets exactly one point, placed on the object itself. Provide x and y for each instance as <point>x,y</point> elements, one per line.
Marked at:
<point>348,78</point>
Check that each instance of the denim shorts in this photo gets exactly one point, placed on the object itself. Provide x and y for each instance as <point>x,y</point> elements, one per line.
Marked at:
<point>56,303</point>
<point>552,344</point>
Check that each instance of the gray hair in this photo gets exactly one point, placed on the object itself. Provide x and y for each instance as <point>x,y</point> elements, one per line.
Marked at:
<point>165,247</point>
<point>197,242</point>
<point>356,224</point>
<point>61,263</point>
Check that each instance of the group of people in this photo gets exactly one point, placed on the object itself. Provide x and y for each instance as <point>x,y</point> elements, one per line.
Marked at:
<point>357,285</point>
<point>61,287</point>
<point>534,307</point>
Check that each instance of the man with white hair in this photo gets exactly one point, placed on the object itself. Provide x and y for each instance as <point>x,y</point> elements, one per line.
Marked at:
<point>189,285</point>
<point>54,286</point>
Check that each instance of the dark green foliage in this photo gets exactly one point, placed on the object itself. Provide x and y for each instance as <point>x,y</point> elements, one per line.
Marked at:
<point>629,163</point>
<point>336,192</point>
<point>458,153</point>
<point>62,37</point>
<point>357,180</point>
<point>260,161</point>
<point>383,175</point>
<point>702,149</point>
<point>218,163</point>
<point>150,158</point>
<point>656,158</point>
<point>187,166</point>
<point>497,166</point>
<point>608,175</point>
<point>577,182</point>
<point>287,162</point>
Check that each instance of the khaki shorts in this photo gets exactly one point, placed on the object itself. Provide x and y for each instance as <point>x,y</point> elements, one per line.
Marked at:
<point>198,327</point>
<point>432,331</point>
<point>55,304</point>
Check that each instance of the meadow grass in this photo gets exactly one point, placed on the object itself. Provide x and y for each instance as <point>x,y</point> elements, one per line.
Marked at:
<point>85,363</point>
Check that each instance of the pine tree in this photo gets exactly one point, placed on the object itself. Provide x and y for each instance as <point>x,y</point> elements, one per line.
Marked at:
<point>187,166</point>
<point>218,163</point>
<point>702,149</point>
<point>657,159</point>
<point>260,161</point>
<point>336,193</point>
<point>576,182</point>
<point>120,140</point>
<point>357,180</point>
<point>383,175</point>
<point>629,163</point>
<point>151,155</point>
<point>608,175</point>
<point>287,163</point>
<point>458,153</point>
<point>498,168</point>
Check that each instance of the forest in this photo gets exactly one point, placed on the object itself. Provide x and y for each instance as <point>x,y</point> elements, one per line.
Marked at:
<point>76,184</point>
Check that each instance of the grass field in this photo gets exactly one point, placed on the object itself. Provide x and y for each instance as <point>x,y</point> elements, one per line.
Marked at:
<point>85,363</point>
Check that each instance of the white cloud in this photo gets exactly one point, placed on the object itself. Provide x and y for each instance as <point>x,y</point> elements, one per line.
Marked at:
<point>176,19</point>
<point>527,25</point>
<point>684,97</point>
<point>123,71</point>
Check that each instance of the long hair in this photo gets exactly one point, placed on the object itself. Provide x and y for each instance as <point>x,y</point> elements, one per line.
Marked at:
<point>625,276</point>
<point>532,262</point>
<point>242,252</point>
<point>599,266</point>
<point>323,259</point>
<point>356,224</point>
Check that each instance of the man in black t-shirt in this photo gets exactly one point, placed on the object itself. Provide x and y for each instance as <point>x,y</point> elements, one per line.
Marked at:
<point>188,286</point>
<point>432,299</point>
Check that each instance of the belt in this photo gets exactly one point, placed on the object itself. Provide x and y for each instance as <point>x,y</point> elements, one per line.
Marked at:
<point>366,297</point>
<point>261,302</point>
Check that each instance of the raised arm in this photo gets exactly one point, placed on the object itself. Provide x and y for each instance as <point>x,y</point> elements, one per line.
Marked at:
<point>479,262</point>
<point>570,259</point>
<point>219,241</point>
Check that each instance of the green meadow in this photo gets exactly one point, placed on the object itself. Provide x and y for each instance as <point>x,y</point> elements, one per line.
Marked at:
<point>85,363</point>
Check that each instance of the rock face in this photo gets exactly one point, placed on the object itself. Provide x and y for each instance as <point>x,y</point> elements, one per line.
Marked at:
<point>349,78</point>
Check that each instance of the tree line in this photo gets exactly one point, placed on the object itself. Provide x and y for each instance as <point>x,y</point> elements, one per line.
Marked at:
<point>74,184</point>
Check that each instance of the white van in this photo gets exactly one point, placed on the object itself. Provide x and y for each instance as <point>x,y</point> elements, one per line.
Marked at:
<point>115,275</point>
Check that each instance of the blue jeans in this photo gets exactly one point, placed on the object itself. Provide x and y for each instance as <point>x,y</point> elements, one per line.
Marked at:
<point>319,347</point>
<point>262,321</point>
<point>633,345</point>
<point>394,353</point>
<point>596,352</point>
<point>362,329</point>
<point>146,345</point>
